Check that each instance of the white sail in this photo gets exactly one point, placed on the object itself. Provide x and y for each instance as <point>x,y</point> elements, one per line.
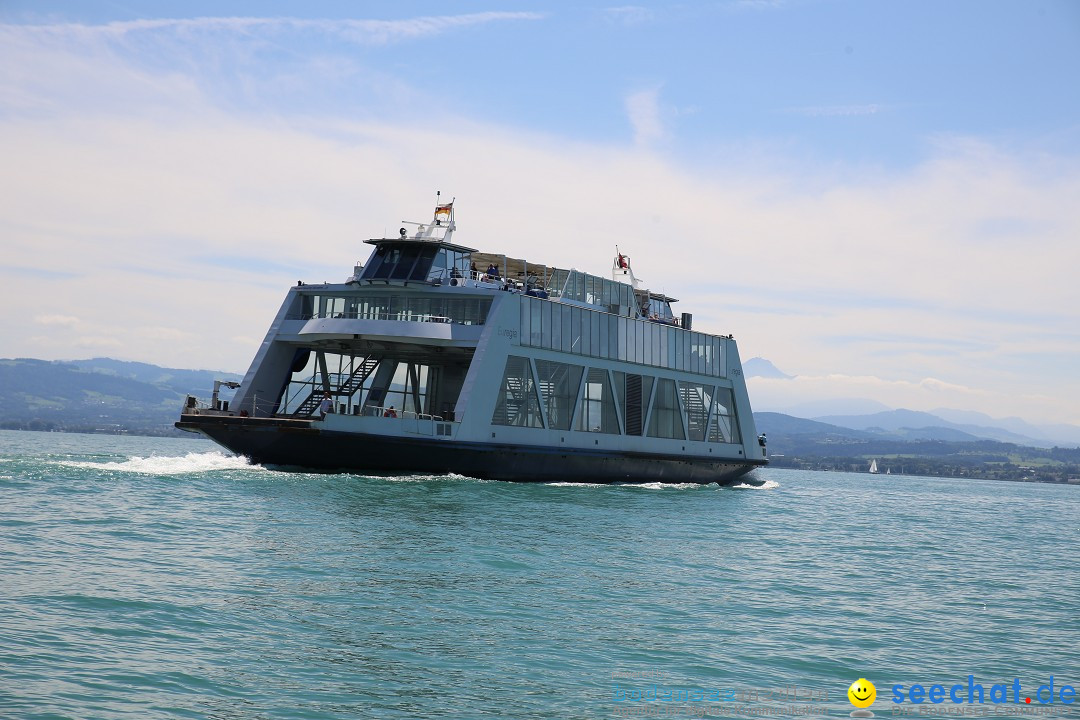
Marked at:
<point>873,465</point>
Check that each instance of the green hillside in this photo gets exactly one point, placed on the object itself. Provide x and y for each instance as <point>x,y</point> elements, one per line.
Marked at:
<point>99,395</point>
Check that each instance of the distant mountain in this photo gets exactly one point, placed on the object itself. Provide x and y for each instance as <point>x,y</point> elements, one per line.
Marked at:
<point>1061,434</point>
<point>760,367</point>
<point>837,406</point>
<point>886,420</point>
<point>930,425</point>
<point>101,395</point>
<point>182,381</point>
<point>940,434</point>
<point>777,424</point>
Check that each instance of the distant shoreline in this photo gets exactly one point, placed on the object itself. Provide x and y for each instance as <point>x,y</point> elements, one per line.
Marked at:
<point>1071,475</point>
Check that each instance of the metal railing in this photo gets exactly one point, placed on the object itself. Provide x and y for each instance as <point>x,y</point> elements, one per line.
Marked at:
<point>393,316</point>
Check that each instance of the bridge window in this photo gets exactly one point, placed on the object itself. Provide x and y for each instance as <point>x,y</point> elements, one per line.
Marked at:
<point>399,262</point>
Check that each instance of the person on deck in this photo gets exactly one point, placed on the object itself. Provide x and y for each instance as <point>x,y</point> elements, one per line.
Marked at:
<point>324,406</point>
<point>390,412</point>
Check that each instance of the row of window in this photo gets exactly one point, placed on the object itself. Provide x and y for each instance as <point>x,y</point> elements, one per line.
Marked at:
<point>566,328</point>
<point>463,310</point>
<point>576,285</point>
<point>564,396</point>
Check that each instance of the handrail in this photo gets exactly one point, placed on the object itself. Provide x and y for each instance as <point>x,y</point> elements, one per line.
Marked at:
<point>381,410</point>
<point>396,317</point>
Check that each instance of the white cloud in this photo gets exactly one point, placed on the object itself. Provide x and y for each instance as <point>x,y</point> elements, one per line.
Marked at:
<point>926,394</point>
<point>838,110</point>
<point>352,30</point>
<point>628,14</point>
<point>62,320</point>
<point>757,4</point>
<point>643,111</point>
<point>880,284</point>
<point>97,342</point>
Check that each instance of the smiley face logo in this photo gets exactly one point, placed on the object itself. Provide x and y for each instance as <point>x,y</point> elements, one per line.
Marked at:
<point>862,693</point>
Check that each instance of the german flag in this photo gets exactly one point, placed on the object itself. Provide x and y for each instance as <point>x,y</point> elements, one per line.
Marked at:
<point>444,209</point>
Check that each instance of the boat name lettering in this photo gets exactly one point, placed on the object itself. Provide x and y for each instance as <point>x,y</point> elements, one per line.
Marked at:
<point>508,332</point>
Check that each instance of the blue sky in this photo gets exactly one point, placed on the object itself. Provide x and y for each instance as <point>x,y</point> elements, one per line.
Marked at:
<point>879,197</point>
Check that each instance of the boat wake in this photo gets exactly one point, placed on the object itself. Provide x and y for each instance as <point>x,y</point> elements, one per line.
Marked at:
<point>166,465</point>
<point>667,486</point>
<point>575,484</point>
<point>452,476</point>
<point>767,485</point>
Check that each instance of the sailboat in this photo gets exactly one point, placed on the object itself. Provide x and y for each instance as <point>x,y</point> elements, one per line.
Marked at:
<point>873,466</point>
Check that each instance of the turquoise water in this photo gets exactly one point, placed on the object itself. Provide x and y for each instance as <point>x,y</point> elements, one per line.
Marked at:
<point>162,578</point>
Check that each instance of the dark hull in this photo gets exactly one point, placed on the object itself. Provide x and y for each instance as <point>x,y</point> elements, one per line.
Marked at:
<point>300,444</point>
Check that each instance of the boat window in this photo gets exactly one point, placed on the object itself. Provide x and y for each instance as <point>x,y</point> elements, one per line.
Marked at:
<point>660,310</point>
<point>413,308</point>
<point>399,262</point>
<point>553,328</point>
<point>518,403</point>
<point>597,413</point>
<point>438,268</point>
<point>408,389</point>
<point>307,305</point>
<point>723,427</point>
<point>665,420</point>
<point>620,395</point>
<point>405,263</point>
<point>696,399</point>
<point>572,329</point>
<point>374,262</point>
<point>596,326</point>
<point>390,262</point>
<point>446,265</point>
<point>594,333</point>
<point>559,384</point>
<point>536,311</point>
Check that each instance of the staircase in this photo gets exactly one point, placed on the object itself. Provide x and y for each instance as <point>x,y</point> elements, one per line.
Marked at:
<point>697,411</point>
<point>516,388</point>
<point>353,383</point>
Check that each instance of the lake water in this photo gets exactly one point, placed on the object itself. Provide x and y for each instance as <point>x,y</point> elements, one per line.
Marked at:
<point>164,578</point>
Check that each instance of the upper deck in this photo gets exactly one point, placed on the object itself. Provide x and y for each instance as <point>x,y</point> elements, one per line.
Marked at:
<point>428,256</point>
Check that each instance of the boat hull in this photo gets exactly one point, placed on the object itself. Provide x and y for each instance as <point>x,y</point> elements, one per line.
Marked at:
<point>300,444</point>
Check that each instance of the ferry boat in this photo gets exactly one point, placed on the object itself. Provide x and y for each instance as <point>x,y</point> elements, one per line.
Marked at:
<point>435,358</point>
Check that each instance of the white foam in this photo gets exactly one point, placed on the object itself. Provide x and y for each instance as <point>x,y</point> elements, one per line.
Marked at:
<point>429,478</point>
<point>767,485</point>
<point>166,465</point>
<point>666,486</point>
<point>574,484</point>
